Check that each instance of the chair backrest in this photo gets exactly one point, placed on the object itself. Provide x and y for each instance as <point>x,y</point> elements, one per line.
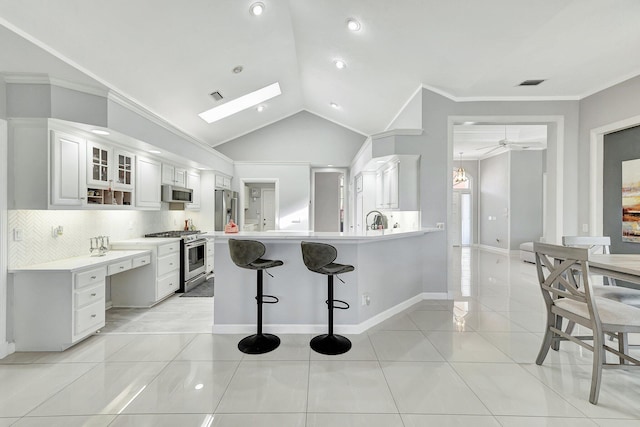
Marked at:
<point>593,243</point>
<point>317,255</point>
<point>560,270</point>
<point>244,252</point>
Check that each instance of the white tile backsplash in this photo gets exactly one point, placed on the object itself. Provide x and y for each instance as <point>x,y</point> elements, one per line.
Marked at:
<point>38,244</point>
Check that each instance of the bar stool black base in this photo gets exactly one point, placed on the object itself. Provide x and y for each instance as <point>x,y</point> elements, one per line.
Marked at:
<point>258,344</point>
<point>330,344</point>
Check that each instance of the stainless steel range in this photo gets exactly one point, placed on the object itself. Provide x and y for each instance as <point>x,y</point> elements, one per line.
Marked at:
<point>193,257</point>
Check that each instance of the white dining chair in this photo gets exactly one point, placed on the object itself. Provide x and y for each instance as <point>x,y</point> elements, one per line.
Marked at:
<point>563,275</point>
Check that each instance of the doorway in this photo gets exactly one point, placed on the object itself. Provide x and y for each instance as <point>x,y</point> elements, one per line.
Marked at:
<point>328,200</point>
<point>461,218</point>
<point>259,207</point>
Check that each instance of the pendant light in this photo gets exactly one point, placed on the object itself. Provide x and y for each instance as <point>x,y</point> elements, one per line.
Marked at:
<point>461,175</point>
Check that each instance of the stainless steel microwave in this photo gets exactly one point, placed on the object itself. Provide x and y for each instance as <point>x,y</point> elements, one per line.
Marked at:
<point>173,194</point>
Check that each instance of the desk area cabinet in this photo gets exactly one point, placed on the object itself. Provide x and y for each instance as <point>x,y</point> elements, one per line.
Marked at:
<point>60,303</point>
<point>144,288</point>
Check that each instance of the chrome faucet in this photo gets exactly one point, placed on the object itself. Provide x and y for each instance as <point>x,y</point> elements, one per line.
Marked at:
<point>382,223</point>
<point>101,245</point>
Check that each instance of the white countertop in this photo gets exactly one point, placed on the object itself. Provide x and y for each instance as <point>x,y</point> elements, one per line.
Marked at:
<point>146,241</point>
<point>80,262</point>
<point>374,235</point>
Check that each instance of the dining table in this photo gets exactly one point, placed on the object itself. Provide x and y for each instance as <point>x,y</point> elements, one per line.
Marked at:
<point>625,267</point>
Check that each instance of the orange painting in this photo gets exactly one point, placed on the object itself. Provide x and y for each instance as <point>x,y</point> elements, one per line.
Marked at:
<point>631,201</point>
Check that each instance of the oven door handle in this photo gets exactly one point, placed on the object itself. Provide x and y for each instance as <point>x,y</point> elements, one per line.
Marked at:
<point>195,244</point>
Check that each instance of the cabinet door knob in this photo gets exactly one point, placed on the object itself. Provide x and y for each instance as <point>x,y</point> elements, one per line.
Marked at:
<point>93,315</point>
<point>144,261</point>
<point>93,295</point>
<point>93,277</point>
<point>121,267</point>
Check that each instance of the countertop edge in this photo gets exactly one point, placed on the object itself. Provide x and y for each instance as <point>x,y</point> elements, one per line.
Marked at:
<point>79,263</point>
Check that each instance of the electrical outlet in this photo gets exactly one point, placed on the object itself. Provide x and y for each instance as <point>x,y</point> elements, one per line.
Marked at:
<point>366,299</point>
<point>17,234</point>
<point>585,228</point>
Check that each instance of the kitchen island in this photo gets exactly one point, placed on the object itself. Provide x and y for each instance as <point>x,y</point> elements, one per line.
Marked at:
<point>393,270</point>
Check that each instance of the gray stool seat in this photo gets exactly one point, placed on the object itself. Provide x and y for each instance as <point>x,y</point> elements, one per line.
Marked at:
<point>248,254</point>
<point>319,258</point>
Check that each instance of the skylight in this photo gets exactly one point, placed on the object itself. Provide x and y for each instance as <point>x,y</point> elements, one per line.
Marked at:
<point>242,103</point>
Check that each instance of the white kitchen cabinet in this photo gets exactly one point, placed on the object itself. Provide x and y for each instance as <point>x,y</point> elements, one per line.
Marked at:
<point>146,287</point>
<point>397,184</point>
<point>59,303</point>
<point>210,243</point>
<point>223,182</point>
<point>110,173</point>
<point>173,175</point>
<point>99,159</point>
<point>124,170</point>
<point>55,309</point>
<point>148,178</point>
<point>67,170</point>
<point>193,182</point>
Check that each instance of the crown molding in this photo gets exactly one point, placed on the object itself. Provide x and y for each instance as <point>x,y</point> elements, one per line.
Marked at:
<point>358,131</point>
<point>285,116</point>
<point>397,132</point>
<point>499,98</point>
<point>144,112</point>
<point>404,106</point>
<point>45,79</point>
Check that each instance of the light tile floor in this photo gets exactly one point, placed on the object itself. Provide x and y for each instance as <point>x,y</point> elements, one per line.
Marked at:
<point>462,362</point>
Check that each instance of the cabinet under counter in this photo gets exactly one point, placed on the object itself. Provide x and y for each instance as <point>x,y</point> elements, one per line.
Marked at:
<point>60,303</point>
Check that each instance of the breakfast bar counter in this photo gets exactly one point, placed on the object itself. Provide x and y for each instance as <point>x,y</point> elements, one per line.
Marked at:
<point>392,268</point>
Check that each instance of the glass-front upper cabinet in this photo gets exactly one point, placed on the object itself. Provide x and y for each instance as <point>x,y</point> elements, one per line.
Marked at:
<point>124,169</point>
<point>99,158</point>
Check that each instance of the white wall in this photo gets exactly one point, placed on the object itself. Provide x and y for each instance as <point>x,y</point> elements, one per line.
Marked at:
<point>615,104</point>
<point>525,203</point>
<point>4,346</point>
<point>410,117</point>
<point>494,201</point>
<point>38,244</point>
<point>303,137</point>
<point>293,189</point>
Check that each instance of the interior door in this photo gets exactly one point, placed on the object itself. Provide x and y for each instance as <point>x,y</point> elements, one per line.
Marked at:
<point>268,209</point>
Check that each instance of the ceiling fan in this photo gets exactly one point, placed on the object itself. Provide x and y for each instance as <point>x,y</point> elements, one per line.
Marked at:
<point>508,144</point>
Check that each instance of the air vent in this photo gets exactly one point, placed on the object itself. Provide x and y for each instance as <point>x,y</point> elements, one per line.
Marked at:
<point>531,82</point>
<point>216,95</point>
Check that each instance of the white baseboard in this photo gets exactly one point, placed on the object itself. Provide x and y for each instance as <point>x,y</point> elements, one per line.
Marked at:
<point>7,348</point>
<point>340,329</point>
<point>494,249</point>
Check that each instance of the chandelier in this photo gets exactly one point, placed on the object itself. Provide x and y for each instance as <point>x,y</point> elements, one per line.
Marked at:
<point>461,175</point>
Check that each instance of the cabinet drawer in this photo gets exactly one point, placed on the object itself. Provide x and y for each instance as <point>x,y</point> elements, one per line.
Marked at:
<point>90,277</point>
<point>141,260</point>
<point>168,249</point>
<point>168,284</point>
<point>168,263</point>
<point>119,267</point>
<point>89,295</point>
<point>91,316</point>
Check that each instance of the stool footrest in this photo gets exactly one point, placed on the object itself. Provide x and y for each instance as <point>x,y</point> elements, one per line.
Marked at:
<point>269,299</point>
<point>339,307</point>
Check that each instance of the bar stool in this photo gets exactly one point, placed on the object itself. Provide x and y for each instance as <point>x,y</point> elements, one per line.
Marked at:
<point>247,254</point>
<point>319,257</point>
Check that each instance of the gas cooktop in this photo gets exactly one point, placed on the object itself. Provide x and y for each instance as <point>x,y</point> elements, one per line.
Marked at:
<point>174,233</point>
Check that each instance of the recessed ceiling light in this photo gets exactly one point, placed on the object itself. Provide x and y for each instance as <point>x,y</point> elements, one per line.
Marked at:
<point>468,123</point>
<point>260,108</point>
<point>330,166</point>
<point>380,161</point>
<point>241,103</point>
<point>353,25</point>
<point>340,64</point>
<point>99,132</point>
<point>155,152</point>
<point>237,70</point>
<point>334,105</point>
<point>256,9</point>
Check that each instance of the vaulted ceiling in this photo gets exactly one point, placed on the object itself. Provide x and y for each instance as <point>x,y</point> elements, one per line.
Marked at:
<point>169,55</point>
